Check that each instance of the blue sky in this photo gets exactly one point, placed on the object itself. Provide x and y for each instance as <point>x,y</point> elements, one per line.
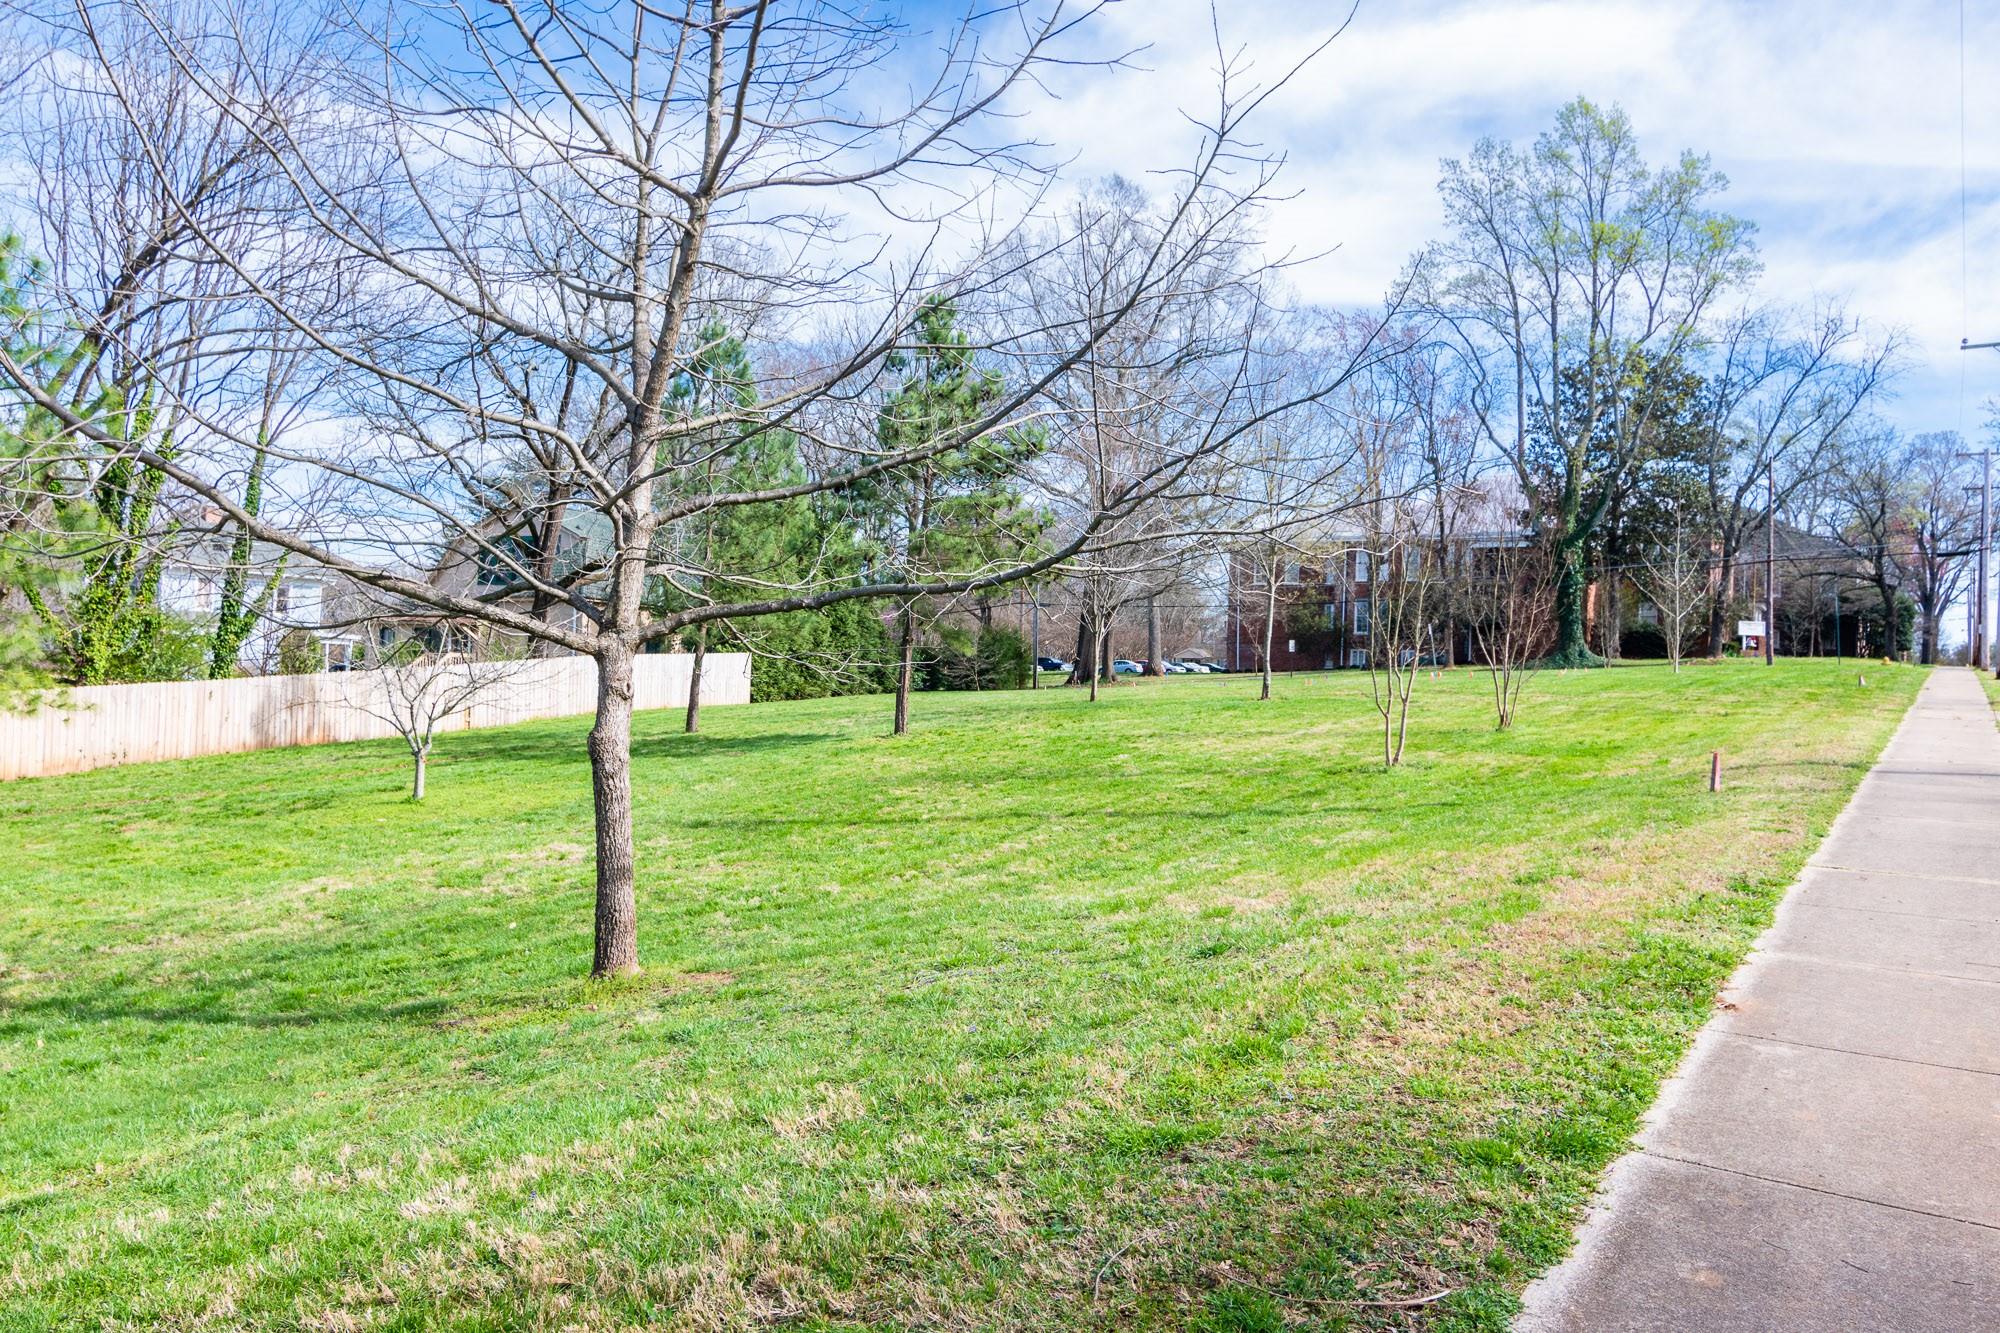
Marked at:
<point>1837,124</point>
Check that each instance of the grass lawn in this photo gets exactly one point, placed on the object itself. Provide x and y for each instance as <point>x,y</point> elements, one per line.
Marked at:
<point>1175,1011</point>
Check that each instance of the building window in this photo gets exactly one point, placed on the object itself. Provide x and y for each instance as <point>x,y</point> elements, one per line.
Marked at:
<point>1648,614</point>
<point>281,602</point>
<point>1361,566</point>
<point>1357,657</point>
<point>1361,617</point>
<point>495,563</point>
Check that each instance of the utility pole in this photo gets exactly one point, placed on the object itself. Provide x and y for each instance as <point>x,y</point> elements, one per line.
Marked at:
<point>1770,562</point>
<point>1976,651</point>
<point>1979,630</point>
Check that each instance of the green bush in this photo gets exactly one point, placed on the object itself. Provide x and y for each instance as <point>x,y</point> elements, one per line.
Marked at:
<point>300,654</point>
<point>843,649</point>
<point>995,659</point>
<point>1642,641</point>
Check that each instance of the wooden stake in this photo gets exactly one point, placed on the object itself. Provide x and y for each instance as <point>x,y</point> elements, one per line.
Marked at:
<point>1715,770</point>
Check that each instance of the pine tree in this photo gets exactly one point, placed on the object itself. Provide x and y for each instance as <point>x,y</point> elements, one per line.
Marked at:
<point>955,510</point>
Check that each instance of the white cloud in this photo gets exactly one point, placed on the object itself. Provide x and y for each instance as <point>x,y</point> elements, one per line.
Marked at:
<point>1838,127</point>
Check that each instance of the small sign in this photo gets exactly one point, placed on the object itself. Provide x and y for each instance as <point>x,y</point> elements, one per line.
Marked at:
<point>1749,629</point>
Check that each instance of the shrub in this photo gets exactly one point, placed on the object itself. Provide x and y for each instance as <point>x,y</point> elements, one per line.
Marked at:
<point>300,654</point>
<point>994,659</point>
<point>1642,641</point>
<point>842,649</point>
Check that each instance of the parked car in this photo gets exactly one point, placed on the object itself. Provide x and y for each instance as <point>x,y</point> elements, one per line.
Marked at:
<point>1051,664</point>
<point>1125,667</point>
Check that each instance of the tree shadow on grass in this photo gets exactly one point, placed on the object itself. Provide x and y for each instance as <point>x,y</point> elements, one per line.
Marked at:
<point>1040,815</point>
<point>18,1017</point>
<point>682,745</point>
<point>474,747</point>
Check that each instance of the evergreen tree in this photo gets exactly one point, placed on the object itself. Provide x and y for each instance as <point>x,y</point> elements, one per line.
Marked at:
<point>1644,485</point>
<point>956,510</point>
<point>804,654</point>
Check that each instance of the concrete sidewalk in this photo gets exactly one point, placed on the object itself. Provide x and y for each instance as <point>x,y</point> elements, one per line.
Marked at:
<point>1829,1155</point>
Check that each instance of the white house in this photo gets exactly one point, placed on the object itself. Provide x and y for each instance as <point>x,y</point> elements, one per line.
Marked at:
<point>307,598</point>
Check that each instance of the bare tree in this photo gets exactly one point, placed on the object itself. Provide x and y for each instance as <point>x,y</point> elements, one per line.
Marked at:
<point>1943,527</point>
<point>1446,464</point>
<point>1781,393</point>
<point>530,212</point>
<point>1402,627</point>
<point>1572,269</point>
<point>1289,483</point>
<point>416,692</point>
<point>1675,579</point>
<point>1156,389</point>
<point>1508,608</point>
<point>119,315</point>
<point>1872,513</point>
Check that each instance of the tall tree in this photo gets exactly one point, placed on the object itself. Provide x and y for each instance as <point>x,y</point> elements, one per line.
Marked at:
<point>1943,526</point>
<point>1873,514</point>
<point>1781,391</point>
<point>716,382</point>
<point>507,231</point>
<point>954,508</point>
<point>1577,263</point>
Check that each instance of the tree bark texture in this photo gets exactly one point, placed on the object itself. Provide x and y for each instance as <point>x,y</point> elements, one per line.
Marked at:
<point>694,680</point>
<point>907,633</point>
<point>617,951</point>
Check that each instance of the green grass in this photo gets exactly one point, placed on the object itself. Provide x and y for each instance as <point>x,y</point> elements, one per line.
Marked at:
<point>1174,1011</point>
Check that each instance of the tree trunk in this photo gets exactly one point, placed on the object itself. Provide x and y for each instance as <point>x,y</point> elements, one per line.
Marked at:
<point>420,761</point>
<point>1572,636</point>
<point>1403,714</point>
<point>1154,665</point>
<point>1614,616</point>
<point>1725,575</point>
<point>1270,629</point>
<point>1084,669</point>
<point>694,680</point>
<point>908,634</point>
<point>1099,641</point>
<point>617,952</point>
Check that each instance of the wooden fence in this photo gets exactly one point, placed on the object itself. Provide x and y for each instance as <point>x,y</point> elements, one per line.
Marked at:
<point>99,725</point>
